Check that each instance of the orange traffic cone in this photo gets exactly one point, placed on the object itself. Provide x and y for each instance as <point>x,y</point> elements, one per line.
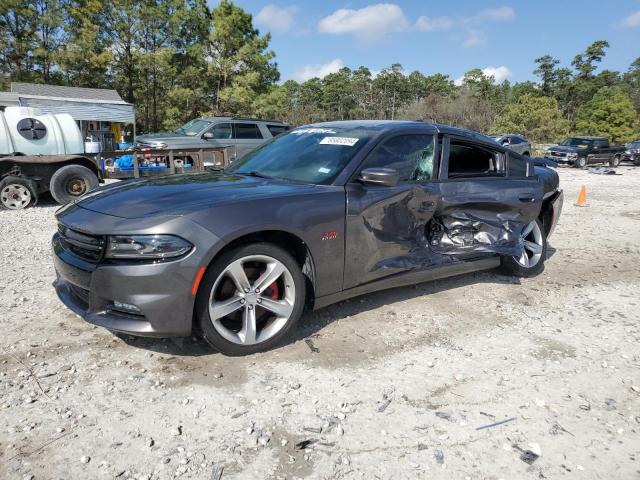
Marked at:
<point>582,197</point>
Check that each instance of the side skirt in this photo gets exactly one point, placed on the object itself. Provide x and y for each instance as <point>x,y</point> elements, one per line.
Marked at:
<point>410,278</point>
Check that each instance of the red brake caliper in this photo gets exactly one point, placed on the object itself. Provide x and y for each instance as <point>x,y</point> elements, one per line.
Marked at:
<point>275,290</point>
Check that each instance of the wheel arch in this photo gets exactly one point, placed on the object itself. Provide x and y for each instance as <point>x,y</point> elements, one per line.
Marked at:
<point>288,241</point>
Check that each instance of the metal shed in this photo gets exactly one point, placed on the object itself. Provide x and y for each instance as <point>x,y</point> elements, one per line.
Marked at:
<point>99,112</point>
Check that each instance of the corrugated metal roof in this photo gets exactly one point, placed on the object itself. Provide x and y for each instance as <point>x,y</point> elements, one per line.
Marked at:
<point>108,112</point>
<point>77,93</point>
<point>9,99</point>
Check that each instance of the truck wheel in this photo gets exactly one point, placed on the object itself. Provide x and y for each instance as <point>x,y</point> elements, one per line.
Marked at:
<point>614,161</point>
<point>71,182</point>
<point>580,162</point>
<point>17,193</point>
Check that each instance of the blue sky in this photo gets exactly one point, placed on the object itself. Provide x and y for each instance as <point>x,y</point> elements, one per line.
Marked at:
<point>317,37</point>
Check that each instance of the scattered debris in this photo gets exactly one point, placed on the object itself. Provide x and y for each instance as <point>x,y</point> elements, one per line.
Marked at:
<point>527,456</point>
<point>305,443</point>
<point>495,424</point>
<point>386,401</point>
<point>439,456</point>
<point>610,404</point>
<point>311,346</point>
<point>603,171</point>
<point>216,474</point>
<point>444,416</point>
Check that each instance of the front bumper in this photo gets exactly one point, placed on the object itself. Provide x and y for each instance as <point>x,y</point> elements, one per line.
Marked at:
<point>561,160</point>
<point>161,291</point>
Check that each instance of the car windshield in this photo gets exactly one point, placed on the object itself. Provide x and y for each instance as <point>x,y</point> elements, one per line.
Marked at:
<point>309,155</point>
<point>634,145</point>
<point>576,142</point>
<point>193,127</point>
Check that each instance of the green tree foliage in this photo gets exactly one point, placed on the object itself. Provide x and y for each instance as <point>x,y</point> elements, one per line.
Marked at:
<point>534,116</point>
<point>609,113</point>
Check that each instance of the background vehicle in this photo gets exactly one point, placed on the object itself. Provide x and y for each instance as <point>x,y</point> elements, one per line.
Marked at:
<point>517,143</point>
<point>40,153</point>
<point>323,213</point>
<point>583,151</point>
<point>632,153</point>
<point>238,135</point>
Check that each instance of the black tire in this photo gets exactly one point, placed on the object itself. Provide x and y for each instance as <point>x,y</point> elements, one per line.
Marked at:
<point>614,161</point>
<point>511,266</point>
<point>71,182</point>
<point>207,329</point>
<point>526,154</point>
<point>636,162</point>
<point>581,162</point>
<point>17,193</point>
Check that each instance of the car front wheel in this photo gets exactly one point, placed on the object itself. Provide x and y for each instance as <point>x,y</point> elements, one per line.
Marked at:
<point>580,162</point>
<point>250,299</point>
<point>534,252</point>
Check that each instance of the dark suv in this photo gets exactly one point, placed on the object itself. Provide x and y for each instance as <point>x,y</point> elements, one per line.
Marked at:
<point>583,151</point>
<point>320,214</point>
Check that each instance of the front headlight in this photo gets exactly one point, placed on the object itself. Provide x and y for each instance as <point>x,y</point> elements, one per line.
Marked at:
<point>572,155</point>
<point>139,247</point>
<point>159,145</point>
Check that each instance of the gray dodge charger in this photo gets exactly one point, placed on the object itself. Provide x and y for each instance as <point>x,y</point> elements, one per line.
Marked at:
<point>319,214</point>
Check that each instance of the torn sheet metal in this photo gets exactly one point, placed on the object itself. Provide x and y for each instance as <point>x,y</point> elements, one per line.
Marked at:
<point>424,226</point>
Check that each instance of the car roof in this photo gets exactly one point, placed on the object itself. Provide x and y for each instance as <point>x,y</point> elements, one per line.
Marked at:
<point>587,137</point>
<point>381,126</point>
<point>246,119</point>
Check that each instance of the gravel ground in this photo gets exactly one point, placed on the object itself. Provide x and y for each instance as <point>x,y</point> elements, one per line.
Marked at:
<point>389,386</point>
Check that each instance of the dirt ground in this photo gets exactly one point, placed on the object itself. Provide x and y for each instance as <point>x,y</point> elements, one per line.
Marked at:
<point>393,385</point>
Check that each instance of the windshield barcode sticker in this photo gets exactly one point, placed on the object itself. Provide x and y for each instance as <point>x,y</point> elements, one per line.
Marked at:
<point>339,141</point>
<point>303,131</point>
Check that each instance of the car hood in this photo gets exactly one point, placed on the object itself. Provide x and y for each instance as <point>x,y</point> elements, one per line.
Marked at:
<point>184,194</point>
<point>566,149</point>
<point>160,137</point>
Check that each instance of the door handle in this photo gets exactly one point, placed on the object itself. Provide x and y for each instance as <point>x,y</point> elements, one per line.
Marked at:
<point>527,199</point>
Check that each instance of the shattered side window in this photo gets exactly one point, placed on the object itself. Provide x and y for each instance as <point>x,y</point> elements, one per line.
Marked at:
<point>412,156</point>
<point>467,160</point>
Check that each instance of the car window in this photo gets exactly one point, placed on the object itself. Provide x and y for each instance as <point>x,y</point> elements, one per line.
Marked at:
<point>247,131</point>
<point>193,127</point>
<point>410,155</point>
<point>308,154</point>
<point>468,160</point>
<point>515,140</point>
<point>517,166</point>
<point>601,143</point>
<point>222,131</point>
<point>277,129</point>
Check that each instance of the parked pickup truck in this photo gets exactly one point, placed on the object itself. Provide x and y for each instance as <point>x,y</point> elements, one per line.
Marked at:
<point>632,153</point>
<point>583,151</point>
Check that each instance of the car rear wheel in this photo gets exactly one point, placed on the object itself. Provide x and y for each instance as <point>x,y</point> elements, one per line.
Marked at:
<point>17,193</point>
<point>614,161</point>
<point>71,182</point>
<point>534,252</point>
<point>250,299</point>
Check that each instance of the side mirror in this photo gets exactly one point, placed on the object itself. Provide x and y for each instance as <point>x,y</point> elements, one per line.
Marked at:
<point>208,136</point>
<point>385,177</point>
<point>505,142</point>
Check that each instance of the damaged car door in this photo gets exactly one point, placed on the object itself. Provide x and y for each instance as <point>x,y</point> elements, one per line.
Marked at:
<point>487,199</point>
<point>386,221</point>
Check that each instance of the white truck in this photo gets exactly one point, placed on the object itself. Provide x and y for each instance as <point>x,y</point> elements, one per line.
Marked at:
<point>40,153</point>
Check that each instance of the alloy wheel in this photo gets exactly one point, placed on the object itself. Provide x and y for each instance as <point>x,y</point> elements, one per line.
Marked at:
<point>252,299</point>
<point>15,196</point>
<point>532,241</point>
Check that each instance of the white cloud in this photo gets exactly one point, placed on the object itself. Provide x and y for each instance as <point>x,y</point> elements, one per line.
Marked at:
<point>500,13</point>
<point>499,74</point>
<point>277,19</point>
<point>474,38</point>
<point>368,23</point>
<point>427,24</point>
<point>320,70</point>
<point>632,20</point>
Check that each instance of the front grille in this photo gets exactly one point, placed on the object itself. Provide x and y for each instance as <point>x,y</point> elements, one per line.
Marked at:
<point>558,154</point>
<point>87,247</point>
